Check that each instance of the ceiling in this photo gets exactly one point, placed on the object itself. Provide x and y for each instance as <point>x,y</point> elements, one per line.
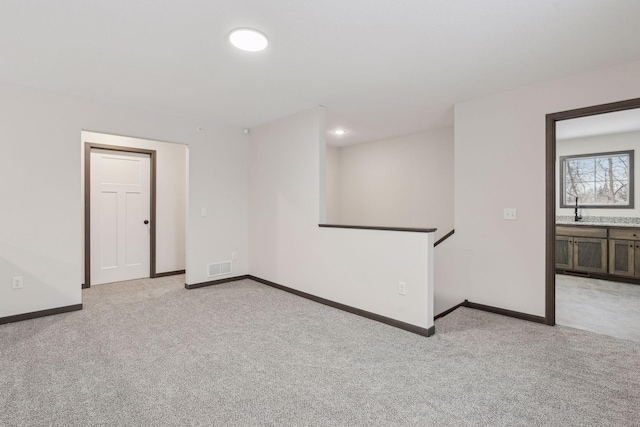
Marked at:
<point>381,67</point>
<point>601,124</point>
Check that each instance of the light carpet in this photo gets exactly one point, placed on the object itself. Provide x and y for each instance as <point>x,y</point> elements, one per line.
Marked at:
<point>150,353</point>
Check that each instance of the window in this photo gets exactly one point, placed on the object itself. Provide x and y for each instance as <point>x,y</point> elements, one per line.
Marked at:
<point>599,180</point>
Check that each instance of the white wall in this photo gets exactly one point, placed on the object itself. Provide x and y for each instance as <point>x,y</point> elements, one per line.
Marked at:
<point>600,144</point>
<point>360,268</point>
<point>500,162</point>
<point>40,172</point>
<point>405,181</point>
<point>171,195</point>
<point>333,184</point>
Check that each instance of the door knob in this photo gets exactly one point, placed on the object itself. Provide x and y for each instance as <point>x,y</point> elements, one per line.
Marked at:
<point>146,221</point>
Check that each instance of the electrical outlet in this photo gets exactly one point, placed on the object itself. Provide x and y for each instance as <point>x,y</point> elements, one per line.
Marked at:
<point>17,282</point>
<point>510,214</point>
<point>234,256</point>
<point>402,288</point>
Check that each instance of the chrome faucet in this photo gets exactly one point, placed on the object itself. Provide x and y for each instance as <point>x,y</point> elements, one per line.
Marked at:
<point>577,217</point>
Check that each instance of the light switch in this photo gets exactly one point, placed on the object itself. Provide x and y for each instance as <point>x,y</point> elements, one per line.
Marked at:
<point>402,288</point>
<point>510,214</point>
<point>203,212</point>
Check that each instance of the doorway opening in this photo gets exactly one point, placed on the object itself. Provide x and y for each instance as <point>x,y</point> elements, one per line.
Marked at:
<point>592,227</point>
<point>165,207</point>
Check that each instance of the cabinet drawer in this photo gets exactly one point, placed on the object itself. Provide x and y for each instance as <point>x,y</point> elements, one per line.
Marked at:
<point>625,233</point>
<point>580,231</point>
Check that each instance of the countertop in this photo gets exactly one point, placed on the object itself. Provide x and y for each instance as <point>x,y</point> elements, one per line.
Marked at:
<point>600,221</point>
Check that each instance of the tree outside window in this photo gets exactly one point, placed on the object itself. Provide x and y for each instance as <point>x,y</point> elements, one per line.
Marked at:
<point>599,180</point>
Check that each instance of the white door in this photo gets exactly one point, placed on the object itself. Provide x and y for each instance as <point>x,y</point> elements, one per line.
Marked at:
<point>120,206</point>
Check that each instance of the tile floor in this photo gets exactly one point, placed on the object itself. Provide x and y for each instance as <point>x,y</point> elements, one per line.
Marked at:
<point>609,308</point>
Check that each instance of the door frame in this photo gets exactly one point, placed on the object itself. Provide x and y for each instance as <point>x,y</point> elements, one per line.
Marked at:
<point>551,119</point>
<point>87,205</point>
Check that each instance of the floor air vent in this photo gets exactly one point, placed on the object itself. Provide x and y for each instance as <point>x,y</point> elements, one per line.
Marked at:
<point>219,268</point>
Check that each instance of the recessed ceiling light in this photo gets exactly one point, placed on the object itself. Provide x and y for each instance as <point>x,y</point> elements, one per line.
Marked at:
<point>248,39</point>
<point>339,131</point>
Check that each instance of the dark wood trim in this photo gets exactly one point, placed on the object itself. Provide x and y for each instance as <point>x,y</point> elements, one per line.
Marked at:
<point>445,237</point>
<point>171,273</point>
<point>87,205</point>
<point>573,273</point>
<point>359,312</point>
<point>427,332</point>
<point>505,312</point>
<point>154,217</point>
<point>562,174</point>
<point>550,223</point>
<point>495,310</point>
<point>594,110</point>
<point>449,311</point>
<point>216,282</point>
<point>41,313</point>
<point>87,216</point>
<point>550,208</point>
<point>364,227</point>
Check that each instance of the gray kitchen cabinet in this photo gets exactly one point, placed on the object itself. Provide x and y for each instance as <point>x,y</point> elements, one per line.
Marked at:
<point>581,249</point>
<point>622,257</point>
<point>590,254</point>
<point>564,252</point>
<point>610,251</point>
